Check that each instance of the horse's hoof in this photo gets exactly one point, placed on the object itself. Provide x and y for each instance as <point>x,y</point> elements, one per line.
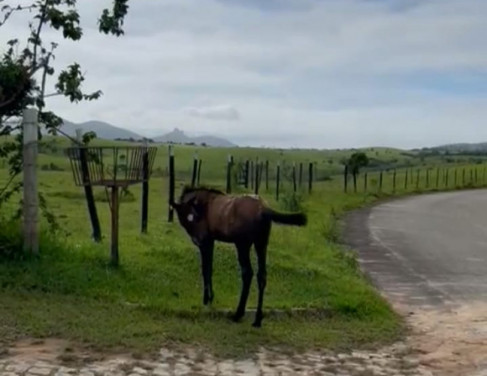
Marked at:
<point>257,325</point>
<point>208,298</point>
<point>236,317</point>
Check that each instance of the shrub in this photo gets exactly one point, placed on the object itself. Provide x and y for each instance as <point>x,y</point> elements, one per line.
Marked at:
<point>12,244</point>
<point>10,239</point>
<point>292,201</point>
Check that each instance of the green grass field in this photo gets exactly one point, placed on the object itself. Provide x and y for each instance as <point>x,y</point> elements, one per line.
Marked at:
<point>155,298</point>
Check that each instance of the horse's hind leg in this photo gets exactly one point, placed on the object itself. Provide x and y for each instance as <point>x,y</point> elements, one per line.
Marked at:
<point>206,251</point>
<point>243,251</point>
<point>261,250</point>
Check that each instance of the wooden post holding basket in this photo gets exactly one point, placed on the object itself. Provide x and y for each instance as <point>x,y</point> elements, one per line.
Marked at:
<point>115,168</point>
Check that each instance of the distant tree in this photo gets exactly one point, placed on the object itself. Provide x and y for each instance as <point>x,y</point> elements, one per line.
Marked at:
<point>357,161</point>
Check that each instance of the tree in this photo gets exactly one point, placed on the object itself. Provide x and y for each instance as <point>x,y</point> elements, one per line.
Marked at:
<point>357,161</point>
<point>24,74</point>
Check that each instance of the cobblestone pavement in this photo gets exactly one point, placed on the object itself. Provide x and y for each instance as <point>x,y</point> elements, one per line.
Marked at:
<point>392,361</point>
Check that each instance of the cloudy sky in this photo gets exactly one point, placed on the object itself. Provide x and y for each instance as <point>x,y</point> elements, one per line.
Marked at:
<point>287,73</point>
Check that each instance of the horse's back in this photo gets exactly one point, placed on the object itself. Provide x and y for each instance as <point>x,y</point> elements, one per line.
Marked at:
<point>231,217</point>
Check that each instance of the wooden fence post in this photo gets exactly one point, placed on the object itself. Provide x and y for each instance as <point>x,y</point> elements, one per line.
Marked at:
<point>252,176</point>
<point>172,177</point>
<point>247,170</point>
<point>310,177</point>
<point>114,206</point>
<point>199,171</point>
<point>90,197</point>
<point>447,178</point>
<point>427,178</point>
<point>365,181</point>
<point>354,175</point>
<point>463,177</point>
<point>195,170</point>
<point>345,179</point>
<point>417,178</point>
<point>267,175</point>
<point>278,176</point>
<point>145,189</point>
<point>455,180</point>
<point>294,177</point>
<point>300,174</point>
<point>437,178</point>
<point>406,180</point>
<point>381,179</point>
<point>394,181</point>
<point>30,198</point>
<point>229,174</point>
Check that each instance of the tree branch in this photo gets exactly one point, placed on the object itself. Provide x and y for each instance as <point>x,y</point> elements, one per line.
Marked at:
<point>37,35</point>
<point>9,11</point>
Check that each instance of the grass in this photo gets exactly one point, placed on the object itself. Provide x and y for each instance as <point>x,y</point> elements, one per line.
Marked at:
<point>154,298</point>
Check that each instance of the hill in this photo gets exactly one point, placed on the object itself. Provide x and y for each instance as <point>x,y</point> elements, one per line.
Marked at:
<point>459,148</point>
<point>177,136</point>
<point>102,130</point>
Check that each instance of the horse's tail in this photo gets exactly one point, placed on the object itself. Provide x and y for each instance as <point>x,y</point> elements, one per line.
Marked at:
<point>293,219</point>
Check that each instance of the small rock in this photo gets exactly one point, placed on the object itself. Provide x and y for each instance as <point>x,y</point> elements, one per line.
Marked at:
<point>17,367</point>
<point>226,367</point>
<point>181,369</point>
<point>161,370</point>
<point>40,371</point>
<point>140,371</point>
<point>246,367</point>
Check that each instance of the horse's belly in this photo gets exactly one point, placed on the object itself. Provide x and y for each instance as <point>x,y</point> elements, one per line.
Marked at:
<point>234,233</point>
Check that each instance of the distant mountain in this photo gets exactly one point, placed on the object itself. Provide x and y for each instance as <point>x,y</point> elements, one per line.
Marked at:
<point>102,130</point>
<point>177,136</point>
<point>460,148</point>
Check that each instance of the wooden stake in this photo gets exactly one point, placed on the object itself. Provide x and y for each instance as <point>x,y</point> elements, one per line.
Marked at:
<point>30,199</point>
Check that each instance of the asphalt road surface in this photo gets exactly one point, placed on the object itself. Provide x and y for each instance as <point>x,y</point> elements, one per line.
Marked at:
<point>426,250</point>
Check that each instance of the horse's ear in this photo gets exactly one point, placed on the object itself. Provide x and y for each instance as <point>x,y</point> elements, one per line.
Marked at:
<point>175,205</point>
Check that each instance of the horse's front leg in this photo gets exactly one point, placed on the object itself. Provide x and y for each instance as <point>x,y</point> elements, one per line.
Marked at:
<point>206,253</point>
<point>243,251</point>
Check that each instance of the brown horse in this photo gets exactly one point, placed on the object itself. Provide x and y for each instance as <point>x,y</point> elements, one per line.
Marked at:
<point>209,215</point>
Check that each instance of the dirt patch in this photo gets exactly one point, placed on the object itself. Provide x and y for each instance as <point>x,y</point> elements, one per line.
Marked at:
<point>43,358</point>
<point>53,350</point>
<point>443,341</point>
<point>450,341</point>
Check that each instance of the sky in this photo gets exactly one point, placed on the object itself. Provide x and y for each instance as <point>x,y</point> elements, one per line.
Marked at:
<point>285,73</point>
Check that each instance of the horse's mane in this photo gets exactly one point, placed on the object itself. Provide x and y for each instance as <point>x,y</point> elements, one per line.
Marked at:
<point>189,189</point>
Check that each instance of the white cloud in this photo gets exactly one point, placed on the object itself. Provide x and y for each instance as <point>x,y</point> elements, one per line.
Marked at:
<point>308,72</point>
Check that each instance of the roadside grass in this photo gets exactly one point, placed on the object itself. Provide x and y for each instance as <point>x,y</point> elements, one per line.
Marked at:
<point>154,298</point>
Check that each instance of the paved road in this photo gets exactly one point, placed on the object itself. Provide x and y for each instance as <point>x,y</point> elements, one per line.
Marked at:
<point>426,250</point>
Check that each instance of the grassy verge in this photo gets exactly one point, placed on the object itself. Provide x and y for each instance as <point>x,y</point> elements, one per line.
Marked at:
<point>154,298</point>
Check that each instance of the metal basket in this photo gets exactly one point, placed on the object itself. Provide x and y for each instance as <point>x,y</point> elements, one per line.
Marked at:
<point>111,166</point>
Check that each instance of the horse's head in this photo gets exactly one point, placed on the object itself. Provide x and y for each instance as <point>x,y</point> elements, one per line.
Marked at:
<point>191,215</point>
